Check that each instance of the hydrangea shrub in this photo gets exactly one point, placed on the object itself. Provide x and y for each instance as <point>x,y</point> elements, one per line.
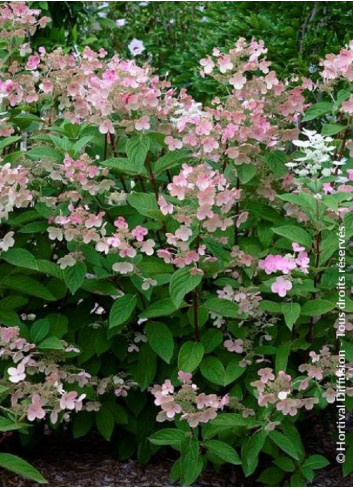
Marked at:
<point>170,272</point>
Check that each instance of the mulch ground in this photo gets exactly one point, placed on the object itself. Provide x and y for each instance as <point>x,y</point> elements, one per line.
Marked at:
<point>89,462</point>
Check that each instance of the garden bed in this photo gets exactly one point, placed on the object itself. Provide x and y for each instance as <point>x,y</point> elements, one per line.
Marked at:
<point>90,462</point>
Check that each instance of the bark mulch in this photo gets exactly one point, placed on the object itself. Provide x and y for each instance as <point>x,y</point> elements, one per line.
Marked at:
<point>89,462</point>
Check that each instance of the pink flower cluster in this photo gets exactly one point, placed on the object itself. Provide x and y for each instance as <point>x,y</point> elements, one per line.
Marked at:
<point>17,19</point>
<point>192,407</point>
<point>82,175</point>
<point>14,192</point>
<point>38,385</point>
<point>205,198</point>
<point>285,264</point>
<point>82,226</point>
<point>278,391</point>
<point>324,368</point>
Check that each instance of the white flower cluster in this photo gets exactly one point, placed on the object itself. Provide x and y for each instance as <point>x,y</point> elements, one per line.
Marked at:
<point>316,152</point>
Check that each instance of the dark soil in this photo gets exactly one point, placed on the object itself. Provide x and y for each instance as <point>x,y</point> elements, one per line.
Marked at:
<point>89,462</point>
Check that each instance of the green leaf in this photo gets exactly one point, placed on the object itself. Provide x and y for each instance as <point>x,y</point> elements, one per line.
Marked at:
<point>347,467</point>
<point>169,436</point>
<point>82,424</point>
<point>222,307</point>
<point>332,129</point>
<point>190,356</point>
<point>121,165</point>
<point>270,306</point>
<point>26,285</point>
<point>233,371</point>
<point>122,310</point>
<point>190,461</point>
<point>145,370</point>
<point>282,356</point>
<point>7,141</point>
<point>317,110</point>
<point>160,340</point>
<point>52,343</point>
<point>294,234</point>
<point>44,153</point>
<point>276,161</point>
<point>105,422</point>
<point>19,466</point>
<point>303,200</point>
<point>211,339</point>
<point>169,161</point>
<point>136,150</point>
<point>316,462</point>
<point>164,307</point>
<point>291,312</point>
<point>145,204</point>
<point>317,307</point>
<point>223,451</point>
<point>272,476</point>
<point>250,452</point>
<point>19,257</point>
<point>246,172</point>
<point>181,283</point>
<point>75,276</point>
<point>284,443</point>
<point>213,370</point>
<point>285,463</point>
<point>39,330</point>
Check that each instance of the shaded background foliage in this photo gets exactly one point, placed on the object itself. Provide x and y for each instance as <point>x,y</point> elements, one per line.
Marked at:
<point>177,34</point>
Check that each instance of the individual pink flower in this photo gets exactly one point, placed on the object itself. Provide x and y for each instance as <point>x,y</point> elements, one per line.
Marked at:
<point>143,123</point>
<point>35,410</point>
<point>266,374</point>
<point>148,247</point>
<point>106,127</point>
<point>281,286</point>
<point>33,62</point>
<point>165,207</point>
<point>68,400</point>
<point>297,247</point>
<point>123,267</point>
<point>139,232</point>
<point>234,346</point>
<point>238,80</point>
<point>330,395</point>
<point>207,64</point>
<point>16,374</point>
<point>183,233</point>
<point>184,377</point>
<point>173,143</point>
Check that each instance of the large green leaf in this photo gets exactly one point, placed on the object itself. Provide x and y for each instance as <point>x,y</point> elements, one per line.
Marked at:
<point>164,307</point>
<point>222,307</point>
<point>190,356</point>
<point>169,436</point>
<point>122,310</point>
<point>160,339</point>
<point>294,234</point>
<point>20,257</point>
<point>181,283</point>
<point>317,307</point>
<point>223,451</point>
<point>105,422</point>
<point>26,285</point>
<point>19,466</point>
<point>317,110</point>
<point>136,150</point>
<point>75,276</point>
<point>145,204</point>
<point>169,161</point>
<point>291,312</point>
